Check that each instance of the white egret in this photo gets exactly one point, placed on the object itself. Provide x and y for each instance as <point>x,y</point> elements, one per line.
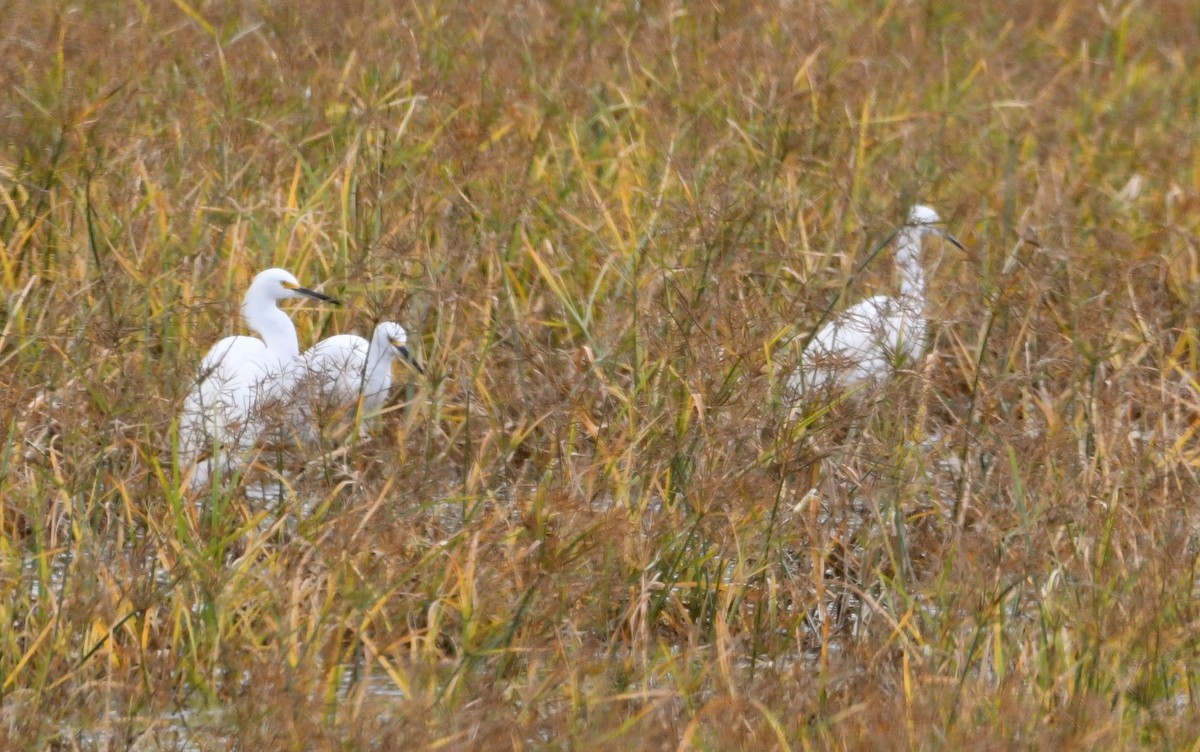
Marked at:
<point>342,370</point>
<point>872,338</point>
<point>240,376</point>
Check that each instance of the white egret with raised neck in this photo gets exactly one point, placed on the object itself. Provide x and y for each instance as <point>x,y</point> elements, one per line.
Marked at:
<point>241,378</point>
<point>874,337</point>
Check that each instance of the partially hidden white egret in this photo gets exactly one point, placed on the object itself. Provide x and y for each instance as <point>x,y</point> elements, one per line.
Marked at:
<point>874,337</point>
<point>241,377</point>
<point>341,370</point>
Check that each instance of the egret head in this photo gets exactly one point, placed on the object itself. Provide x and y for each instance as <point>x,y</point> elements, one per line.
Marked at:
<point>922,219</point>
<point>280,284</point>
<point>921,215</point>
<point>391,334</point>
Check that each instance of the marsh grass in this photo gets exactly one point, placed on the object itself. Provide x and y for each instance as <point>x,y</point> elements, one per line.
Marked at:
<point>608,227</point>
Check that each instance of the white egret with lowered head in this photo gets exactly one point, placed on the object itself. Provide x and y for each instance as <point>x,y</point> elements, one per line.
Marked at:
<point>874,337</point>
<point>343,370</point>
<point>241,378</point>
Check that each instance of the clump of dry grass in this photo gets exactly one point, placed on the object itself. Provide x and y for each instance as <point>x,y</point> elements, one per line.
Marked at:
<point>590,524</point>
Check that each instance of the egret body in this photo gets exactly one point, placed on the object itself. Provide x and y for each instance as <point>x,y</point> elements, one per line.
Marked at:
<point>344,369</point>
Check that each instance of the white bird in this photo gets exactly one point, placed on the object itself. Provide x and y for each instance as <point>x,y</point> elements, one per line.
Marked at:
<point>241,376</point>
<point>342,370</point>
<point>874,337</point>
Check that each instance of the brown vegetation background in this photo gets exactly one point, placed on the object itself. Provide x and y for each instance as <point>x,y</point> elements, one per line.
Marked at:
<point>608,227</point>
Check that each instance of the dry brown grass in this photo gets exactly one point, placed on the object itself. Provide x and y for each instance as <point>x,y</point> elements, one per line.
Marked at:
<point>590,525</point>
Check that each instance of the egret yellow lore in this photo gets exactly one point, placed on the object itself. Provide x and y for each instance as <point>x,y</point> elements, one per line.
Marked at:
<point>869,340</point>
<point>241,377</point>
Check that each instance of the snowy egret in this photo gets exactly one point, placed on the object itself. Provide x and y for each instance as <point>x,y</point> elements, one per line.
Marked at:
<point>341,370</point>
<point>875,336</point>
<point>240,376</point>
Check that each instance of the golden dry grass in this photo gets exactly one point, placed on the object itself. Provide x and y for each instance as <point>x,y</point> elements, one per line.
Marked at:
<point>607,225</point>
